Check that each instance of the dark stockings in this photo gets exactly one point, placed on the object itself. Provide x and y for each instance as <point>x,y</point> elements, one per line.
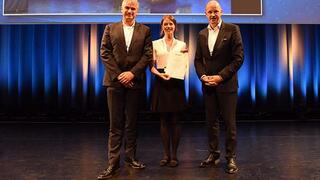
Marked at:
<point>170,130</point>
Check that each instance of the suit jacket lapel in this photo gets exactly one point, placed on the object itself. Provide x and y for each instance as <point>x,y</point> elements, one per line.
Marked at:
<point>219,38</point>
<point>206,35</point>
<point>121,35</point>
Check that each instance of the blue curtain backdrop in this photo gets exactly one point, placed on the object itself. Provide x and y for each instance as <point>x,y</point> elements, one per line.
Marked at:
<point>55,69</point>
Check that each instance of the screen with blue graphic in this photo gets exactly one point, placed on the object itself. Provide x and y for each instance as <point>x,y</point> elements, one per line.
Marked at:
<point>56,7</point>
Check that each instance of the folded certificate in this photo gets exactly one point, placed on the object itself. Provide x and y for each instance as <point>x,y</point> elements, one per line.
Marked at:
<point>177,65</point>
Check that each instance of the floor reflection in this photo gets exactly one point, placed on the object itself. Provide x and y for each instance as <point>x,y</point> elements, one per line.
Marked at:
<point>280,150</point>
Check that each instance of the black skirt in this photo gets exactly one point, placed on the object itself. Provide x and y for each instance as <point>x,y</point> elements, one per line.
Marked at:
<point>168,95</point>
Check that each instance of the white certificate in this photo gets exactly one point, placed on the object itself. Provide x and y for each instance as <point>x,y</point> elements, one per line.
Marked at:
<point>177,65</point>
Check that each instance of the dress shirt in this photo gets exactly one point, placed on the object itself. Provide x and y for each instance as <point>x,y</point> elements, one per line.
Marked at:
<point>212,37</point>
<point>128,32</point>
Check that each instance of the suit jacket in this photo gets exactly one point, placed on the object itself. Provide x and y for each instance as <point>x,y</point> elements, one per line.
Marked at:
<point>116,59</point>
<point>226,58</point>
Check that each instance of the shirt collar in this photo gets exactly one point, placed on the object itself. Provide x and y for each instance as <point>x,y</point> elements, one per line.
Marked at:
<point>174,39</point>
<point>124,25</point>
<point>173,42</point>
<point>218,26</point>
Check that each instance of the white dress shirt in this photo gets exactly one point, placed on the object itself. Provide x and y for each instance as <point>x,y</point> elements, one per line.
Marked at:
<point>128,32</point>
<point>212,37</point>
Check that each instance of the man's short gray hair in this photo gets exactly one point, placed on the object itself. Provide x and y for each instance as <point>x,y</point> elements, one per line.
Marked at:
<point>124,2</point>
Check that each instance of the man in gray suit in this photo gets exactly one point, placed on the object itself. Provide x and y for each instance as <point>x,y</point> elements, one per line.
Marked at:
<point>219,56</point>
<point>126,51</point>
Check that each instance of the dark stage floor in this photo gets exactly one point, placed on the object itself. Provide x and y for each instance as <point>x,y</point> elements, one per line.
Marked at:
<point>282,150</point>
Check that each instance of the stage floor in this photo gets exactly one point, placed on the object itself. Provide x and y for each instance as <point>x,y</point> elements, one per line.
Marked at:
<point>281,150</point>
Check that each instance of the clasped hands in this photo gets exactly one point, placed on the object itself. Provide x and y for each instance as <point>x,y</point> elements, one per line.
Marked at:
<point>211,80</point>
<point>125,78</point>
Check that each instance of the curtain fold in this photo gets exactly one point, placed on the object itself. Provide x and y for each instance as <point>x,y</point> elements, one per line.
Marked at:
<point>57,69</point>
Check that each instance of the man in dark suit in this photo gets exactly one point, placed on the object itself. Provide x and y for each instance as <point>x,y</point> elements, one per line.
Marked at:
<point>219,56</point>
<point>126,51</point>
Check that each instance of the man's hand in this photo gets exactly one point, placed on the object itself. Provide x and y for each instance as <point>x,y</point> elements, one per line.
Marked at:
<point>205,78</point>
<point>207,81</point>
<point>129,84</point>
<point>212,80</point>
<point>126,78</point>
<point>215,78</point>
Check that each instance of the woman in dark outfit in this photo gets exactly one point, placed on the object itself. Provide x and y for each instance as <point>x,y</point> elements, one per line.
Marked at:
<point>168,98</point>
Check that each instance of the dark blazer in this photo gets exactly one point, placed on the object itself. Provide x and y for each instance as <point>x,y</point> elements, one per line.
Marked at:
<point>116,59</point>
<point>226,59</point>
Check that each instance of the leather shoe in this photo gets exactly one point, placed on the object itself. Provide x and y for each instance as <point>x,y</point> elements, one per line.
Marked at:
<point>111,171</point>
<point>135,164</point>
<point>211,159</point>
<point>231,167</point>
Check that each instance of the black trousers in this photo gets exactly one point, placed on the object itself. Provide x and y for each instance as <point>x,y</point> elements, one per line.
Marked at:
<point>124,105</point>
<point>221,104</point>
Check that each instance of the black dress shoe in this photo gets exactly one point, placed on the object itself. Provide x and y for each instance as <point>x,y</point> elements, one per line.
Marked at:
<point>135,164</point>
<point>231,167</point>
<point>212,159</point>
<point>111,171</point>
